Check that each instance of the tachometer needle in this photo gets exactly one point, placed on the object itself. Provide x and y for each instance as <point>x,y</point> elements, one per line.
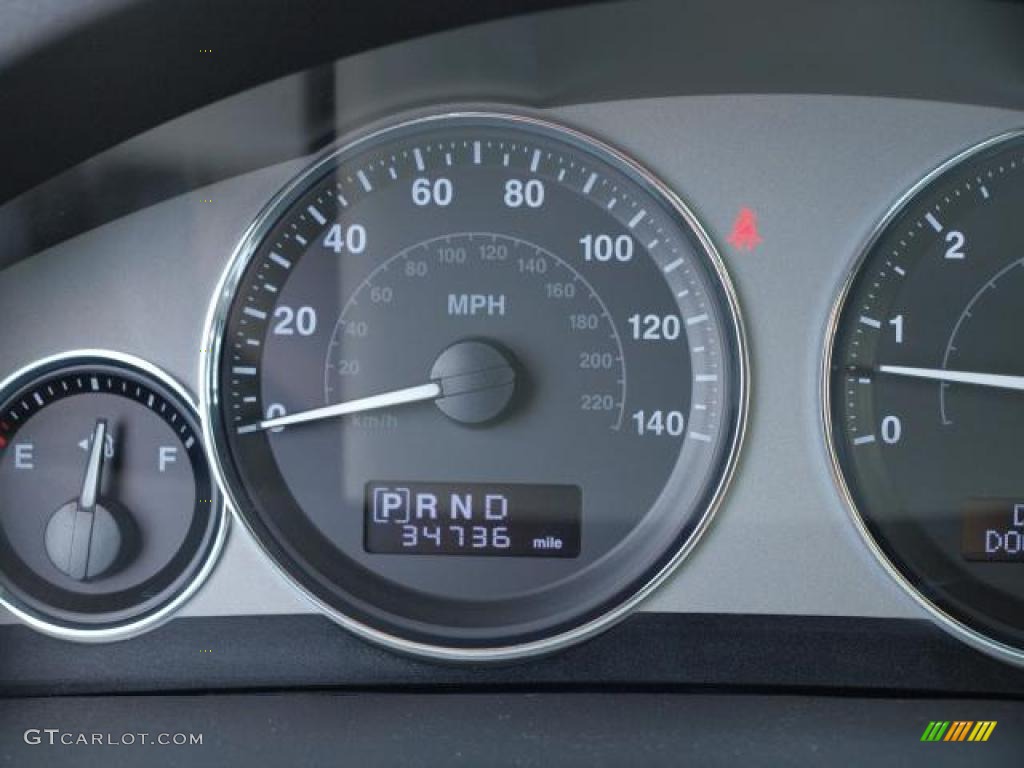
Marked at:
<point>405,396</point>
<point>998,381</point>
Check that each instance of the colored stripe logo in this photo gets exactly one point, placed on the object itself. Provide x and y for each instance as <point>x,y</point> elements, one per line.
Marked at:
<point>958,730</point>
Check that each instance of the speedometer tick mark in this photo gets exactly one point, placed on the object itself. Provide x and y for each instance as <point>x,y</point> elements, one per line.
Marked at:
<point>315,213</point>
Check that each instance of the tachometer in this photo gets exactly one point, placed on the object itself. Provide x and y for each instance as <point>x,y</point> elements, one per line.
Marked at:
<point>477,384</point>
<point>925,395</point>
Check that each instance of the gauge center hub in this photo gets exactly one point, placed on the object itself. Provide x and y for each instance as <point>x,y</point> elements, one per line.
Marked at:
<point>477,380</point>
<point>81,543</point>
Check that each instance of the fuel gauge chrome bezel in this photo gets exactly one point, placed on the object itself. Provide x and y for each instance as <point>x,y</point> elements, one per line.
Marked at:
<point>160,610</point>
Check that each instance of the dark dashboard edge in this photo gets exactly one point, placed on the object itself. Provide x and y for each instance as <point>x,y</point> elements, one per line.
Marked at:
<point>649,650</point>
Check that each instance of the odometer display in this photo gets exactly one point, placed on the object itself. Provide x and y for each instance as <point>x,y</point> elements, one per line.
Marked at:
<point>926,394</point>
<point>473,519</point>
<point>481,306</point>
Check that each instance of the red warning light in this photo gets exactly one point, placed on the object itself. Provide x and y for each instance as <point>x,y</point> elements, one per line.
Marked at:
<point>744,235</point>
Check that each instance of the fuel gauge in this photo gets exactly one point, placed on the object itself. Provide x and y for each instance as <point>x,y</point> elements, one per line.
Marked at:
<point>109,517</point>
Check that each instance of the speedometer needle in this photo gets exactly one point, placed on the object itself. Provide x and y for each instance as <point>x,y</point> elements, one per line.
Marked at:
<point>998,381</point>
<point>471,381</point>
<point>418,394</point>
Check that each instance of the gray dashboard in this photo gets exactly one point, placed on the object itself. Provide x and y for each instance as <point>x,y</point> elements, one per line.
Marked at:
<point>819,171</point>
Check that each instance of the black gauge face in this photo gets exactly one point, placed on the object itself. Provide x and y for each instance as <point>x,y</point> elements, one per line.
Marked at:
<point>477,382</point>
<point>927,393</point>
<point>107,507</point>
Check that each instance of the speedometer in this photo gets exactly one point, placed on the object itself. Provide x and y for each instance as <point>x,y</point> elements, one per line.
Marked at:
<point>476,384</point>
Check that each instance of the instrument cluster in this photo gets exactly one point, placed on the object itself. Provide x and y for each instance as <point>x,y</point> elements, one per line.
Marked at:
<point>479,382</point>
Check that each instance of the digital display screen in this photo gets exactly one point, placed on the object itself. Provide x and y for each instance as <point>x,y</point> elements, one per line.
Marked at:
<point>994,530</point>
<point>483,519</point>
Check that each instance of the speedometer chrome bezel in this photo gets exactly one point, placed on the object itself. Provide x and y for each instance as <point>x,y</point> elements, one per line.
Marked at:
<point>943,619</point>
<point>214,431</point>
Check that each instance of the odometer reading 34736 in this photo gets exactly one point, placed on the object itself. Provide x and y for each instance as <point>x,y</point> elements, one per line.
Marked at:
<point>477,384</point>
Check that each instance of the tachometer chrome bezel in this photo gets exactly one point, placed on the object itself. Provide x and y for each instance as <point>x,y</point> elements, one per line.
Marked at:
<point>943,619</point>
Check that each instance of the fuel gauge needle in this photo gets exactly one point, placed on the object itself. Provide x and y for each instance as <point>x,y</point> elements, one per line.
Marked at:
<point>94,469</point>
<point>995,380</point>
<point>80,546</point>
